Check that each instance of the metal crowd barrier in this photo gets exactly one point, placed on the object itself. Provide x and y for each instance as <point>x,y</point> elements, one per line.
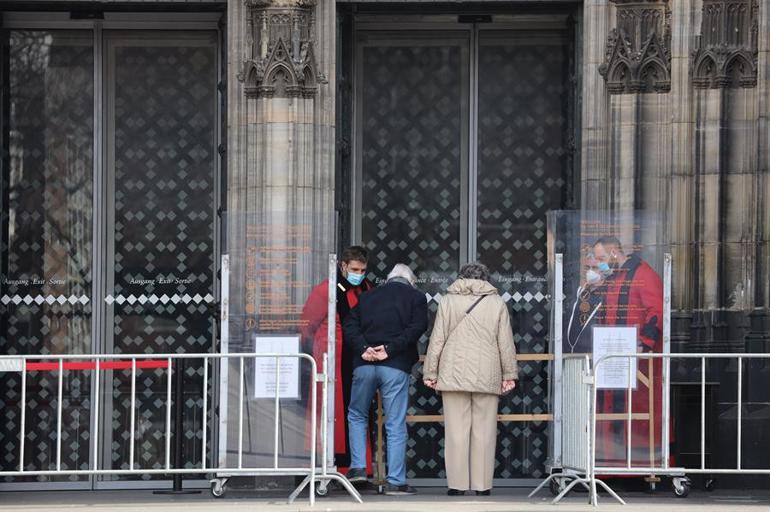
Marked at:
<point>95,363</point>
<point>576,431</point>
<point>578,436</point>
<point>679,472</point>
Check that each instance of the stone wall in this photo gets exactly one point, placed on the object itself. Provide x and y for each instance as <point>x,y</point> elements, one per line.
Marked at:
<point>689,138</point>
<point>281,98</point>
<point>675,97</point>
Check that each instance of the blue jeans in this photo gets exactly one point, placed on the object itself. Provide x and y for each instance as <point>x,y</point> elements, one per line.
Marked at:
<point>394,390</point>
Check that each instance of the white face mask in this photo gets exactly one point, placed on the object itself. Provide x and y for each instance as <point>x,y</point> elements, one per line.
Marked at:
<point>593,277</point>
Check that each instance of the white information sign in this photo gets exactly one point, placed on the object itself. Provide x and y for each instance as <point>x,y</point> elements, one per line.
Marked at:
<point>614,373</point>
<point>264,371</point>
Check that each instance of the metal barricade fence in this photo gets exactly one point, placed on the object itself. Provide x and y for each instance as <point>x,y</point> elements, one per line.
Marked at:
<point>576,430</point>
<point>575,440</point>
<point>576,414</point>
<point>96,363</point>
<point>679,472</point>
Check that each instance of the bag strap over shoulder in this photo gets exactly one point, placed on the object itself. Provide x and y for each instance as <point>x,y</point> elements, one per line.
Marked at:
<point>467,312</point>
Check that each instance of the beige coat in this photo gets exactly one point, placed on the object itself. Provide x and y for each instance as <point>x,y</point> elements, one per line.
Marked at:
<point>480,353</point>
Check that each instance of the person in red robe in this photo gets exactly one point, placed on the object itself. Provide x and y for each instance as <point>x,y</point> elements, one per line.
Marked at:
<point>351,283</point>
<point>631,295</point>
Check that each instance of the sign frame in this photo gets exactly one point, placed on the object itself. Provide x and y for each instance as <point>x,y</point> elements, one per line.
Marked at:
<point>265,367</point>
<point>615,373</point>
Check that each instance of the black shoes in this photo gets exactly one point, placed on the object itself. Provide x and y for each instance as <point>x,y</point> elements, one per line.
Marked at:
<point>399,490</point>
<point>356,475</point>
<point>457,492</point>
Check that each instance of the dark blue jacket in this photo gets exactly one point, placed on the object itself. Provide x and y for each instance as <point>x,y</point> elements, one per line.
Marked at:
<point>395,315</point>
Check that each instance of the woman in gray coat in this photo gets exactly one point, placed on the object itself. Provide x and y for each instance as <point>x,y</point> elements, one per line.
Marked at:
<point>471,360</point>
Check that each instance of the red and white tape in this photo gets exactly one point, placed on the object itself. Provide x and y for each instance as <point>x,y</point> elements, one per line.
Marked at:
<point>17,365</point>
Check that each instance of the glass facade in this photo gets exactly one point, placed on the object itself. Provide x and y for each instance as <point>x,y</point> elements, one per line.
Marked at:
<point>161,163</point>
<point>109,234</point>
<point>46,276</point>
<point>463,146</point>
<point>455,137</point>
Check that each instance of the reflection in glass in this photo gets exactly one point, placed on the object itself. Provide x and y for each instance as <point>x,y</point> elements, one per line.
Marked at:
<point>46,242</point>
<point>161,147</point>
<point>412,137</point>
<point>522,163</point>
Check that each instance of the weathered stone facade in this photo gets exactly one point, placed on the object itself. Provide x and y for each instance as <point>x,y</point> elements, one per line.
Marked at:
<point>698,152</point>
<point>281,122</point>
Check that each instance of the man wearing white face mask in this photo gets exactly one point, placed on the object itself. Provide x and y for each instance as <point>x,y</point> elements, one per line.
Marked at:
<point>586,306</point>
<point>632,296</point>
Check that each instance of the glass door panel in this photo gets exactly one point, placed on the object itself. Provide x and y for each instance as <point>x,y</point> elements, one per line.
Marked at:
<point>413,171</point>
<point>523,131</point>
<point>46,243</point>
<point>422,99</point>
<point>150,272</point>
<point>161,154</point>
<point>413,154</point>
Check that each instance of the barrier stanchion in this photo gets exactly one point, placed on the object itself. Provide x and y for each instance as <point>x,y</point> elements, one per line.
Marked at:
<point>679,475</point>
<point>177,487</point>
<point>578,433</point>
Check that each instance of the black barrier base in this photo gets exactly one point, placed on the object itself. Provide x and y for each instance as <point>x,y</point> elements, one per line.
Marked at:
<point>178,426</point>
<point>177,489</point>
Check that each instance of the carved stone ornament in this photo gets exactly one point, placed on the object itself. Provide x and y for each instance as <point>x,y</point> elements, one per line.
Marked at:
<point>280,58</point>
<point>638,52</point>
<point>727,51</point>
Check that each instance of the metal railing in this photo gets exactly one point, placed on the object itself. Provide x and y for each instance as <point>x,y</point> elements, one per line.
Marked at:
<point>96,363</point>
<point>577,436</point>
<point>665,467</point>
<point>576,431</point>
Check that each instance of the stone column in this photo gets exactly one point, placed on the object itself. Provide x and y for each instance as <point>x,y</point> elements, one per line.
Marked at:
<point>763,218</point>
<point>280,188</point>
<point>758,338</point>
<point>724,77</point>
<point>281,128</point>
<point>636,68</point>
<point>595,166</point>
<point>681,193</point>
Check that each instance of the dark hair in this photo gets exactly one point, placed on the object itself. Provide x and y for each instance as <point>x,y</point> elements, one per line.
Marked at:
<point>355,253</point>
<point>609,241</point>
<point>474,271</point>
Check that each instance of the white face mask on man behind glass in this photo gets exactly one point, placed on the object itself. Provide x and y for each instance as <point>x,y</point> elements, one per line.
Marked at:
<point>593,277</point>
